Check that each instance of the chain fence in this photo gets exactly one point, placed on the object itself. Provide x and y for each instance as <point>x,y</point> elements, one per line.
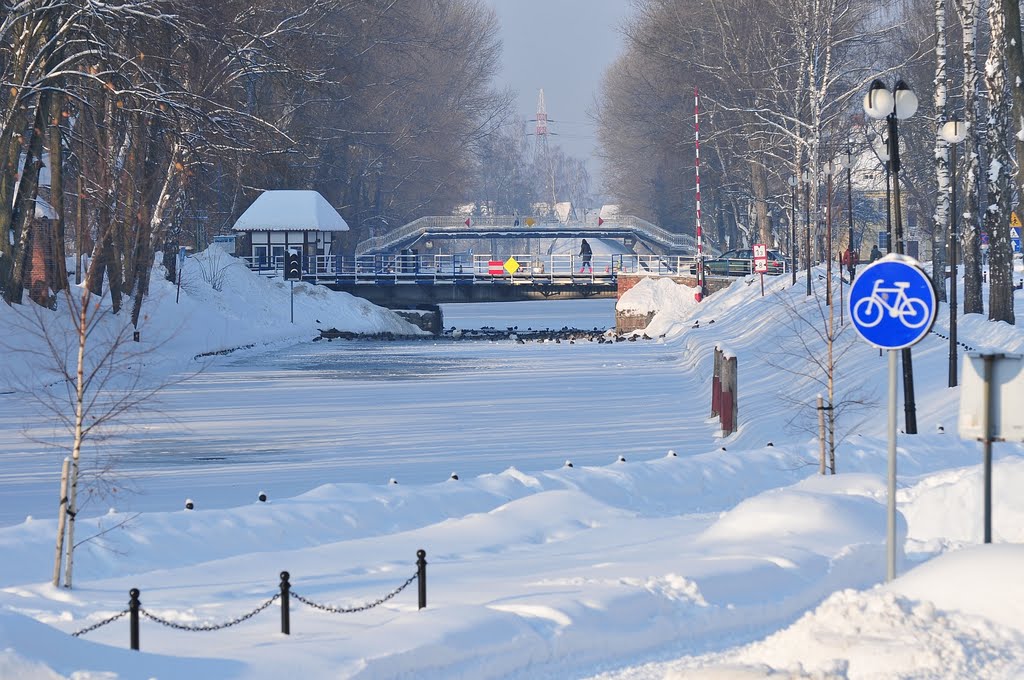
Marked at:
<point>958,342</point>
<point>352,610</point>
<point>99,624</point>
<point>204,627</point>
<point>135,609</point>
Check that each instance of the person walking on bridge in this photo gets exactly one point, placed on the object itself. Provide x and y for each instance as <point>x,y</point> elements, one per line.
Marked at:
<point>586,253</point>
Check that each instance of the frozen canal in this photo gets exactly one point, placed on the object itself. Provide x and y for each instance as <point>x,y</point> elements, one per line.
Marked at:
<point>360,411</point>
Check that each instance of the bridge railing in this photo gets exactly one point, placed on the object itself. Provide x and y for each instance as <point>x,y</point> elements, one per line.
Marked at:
<point>453,225</point>
<point>487,268</point>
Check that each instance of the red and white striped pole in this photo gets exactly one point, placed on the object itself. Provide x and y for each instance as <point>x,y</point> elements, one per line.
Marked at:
<point>700,241</point>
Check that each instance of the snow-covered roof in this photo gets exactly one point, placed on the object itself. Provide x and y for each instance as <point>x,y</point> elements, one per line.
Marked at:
<point>563,210</point>
<point>288,210</point>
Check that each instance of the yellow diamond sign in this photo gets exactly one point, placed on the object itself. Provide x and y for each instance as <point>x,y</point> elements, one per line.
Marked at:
<point>1014,220</point>
<point>530,222</point>
<point>511,266</point>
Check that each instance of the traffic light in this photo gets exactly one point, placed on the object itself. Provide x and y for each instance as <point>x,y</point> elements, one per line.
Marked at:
<point>293,267</point>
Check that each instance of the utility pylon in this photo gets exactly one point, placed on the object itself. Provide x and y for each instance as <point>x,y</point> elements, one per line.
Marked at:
<point>541,149</point>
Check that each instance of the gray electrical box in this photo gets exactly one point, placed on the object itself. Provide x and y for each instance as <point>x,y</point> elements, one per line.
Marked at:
<point>1004,401</point>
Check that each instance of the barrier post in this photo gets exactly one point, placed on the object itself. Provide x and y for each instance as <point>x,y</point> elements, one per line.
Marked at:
<point>286,627</point>
<point>729,408</point>
<point>716,384</point>
<point>133,618</point>
<point>421,576</point>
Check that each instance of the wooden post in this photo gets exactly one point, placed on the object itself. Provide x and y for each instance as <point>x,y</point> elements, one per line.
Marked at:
<point>62,515</point>
<point>716,383</point>
<point>734,406</point>
<point>821,435</point>
<point>729,407</point>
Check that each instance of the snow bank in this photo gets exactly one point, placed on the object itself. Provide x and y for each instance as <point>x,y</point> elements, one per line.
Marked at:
<point>673,305</point>
<point>221,307</point>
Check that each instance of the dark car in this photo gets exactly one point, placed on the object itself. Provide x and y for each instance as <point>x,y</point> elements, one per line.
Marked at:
<point>740,262</point>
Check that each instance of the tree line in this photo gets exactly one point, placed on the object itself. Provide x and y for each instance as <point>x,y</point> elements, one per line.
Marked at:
<point>127,126</point>
<point>782,83</point>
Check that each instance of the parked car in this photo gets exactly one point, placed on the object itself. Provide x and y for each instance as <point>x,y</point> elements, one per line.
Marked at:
<point>740,262</point>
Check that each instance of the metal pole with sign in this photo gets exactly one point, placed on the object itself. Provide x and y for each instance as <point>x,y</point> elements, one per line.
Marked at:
<point>892,306</point>
<point>761,262</point>
<point>991,392</point>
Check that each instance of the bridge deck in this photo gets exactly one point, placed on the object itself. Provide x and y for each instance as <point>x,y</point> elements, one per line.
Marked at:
<point>477,269</point>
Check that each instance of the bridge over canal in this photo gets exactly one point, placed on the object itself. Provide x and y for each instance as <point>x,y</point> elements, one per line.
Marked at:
<point>405,281</point>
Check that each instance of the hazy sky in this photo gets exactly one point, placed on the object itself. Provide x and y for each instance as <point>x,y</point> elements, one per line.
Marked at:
<point>562,46</point>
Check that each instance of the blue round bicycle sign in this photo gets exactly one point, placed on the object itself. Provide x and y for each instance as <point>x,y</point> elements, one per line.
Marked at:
<point>892,302</point>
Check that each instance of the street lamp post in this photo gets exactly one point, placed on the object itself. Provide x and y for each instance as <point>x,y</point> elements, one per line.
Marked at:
<point>792,228</point>
<point>954,132</point>
<point>807,228</point>
<point>892,106</point>
<point>882,151</point>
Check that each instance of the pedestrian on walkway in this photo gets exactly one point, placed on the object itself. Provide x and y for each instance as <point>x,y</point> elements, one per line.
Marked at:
<point>586,253</point>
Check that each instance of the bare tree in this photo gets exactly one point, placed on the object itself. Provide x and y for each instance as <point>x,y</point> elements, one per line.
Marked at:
<point>816,360</point>
<point>93,375</point>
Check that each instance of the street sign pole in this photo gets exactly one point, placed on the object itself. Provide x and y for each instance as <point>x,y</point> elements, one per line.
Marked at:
<point>986,440</point>
<point>761,262</point>
<point>892,306</point>
<point>890,536</point>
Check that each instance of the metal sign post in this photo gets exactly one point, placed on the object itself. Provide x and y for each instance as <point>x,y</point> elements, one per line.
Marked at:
<point>761,262</point>
<point>991,392</point>
<point>892,306</point>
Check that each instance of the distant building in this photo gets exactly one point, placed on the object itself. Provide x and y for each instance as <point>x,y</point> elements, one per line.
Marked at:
<point>565,212</point>
<point>284,221</point>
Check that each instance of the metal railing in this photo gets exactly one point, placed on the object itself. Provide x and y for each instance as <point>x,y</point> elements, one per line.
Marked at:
<point>453,226</point>
<point>519,268</point>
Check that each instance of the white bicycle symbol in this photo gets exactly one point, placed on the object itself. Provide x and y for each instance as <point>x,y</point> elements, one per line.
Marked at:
<point>869,311</point>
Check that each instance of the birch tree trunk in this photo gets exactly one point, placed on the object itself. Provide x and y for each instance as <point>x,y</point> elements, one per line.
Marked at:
<point>940,228</point>
<point>970,236</point>
<point>76,447</point>
<point>997,217</point>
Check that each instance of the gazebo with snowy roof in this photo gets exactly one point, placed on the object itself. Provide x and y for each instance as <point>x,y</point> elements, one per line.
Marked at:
<point>282,221</point>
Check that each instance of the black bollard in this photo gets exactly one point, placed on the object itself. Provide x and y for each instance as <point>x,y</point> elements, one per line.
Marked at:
<point>421,576</point>
<point>286,626</point>
<point>133,618</point>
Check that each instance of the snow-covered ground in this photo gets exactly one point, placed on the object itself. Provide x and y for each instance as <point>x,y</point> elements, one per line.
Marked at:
<point>696,556</point>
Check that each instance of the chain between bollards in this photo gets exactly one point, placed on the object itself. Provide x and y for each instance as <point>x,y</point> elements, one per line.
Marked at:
<point>135,609</point>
